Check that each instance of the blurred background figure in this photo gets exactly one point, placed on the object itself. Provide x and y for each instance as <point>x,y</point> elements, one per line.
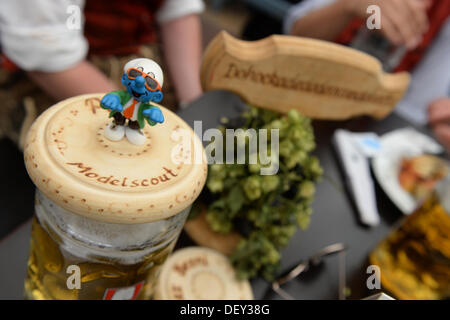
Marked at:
<point>414,37</point>
<point>37,44</point>
<point>53,50</point>
<point>439,118</point>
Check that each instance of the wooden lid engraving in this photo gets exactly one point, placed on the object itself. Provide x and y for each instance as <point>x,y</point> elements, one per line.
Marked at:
<point>72,163</point>
<point>199,273</point>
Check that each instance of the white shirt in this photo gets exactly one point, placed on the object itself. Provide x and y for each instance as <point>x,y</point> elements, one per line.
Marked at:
<point>430,79</point>
<point>136,108</point>
<point>35,35</point>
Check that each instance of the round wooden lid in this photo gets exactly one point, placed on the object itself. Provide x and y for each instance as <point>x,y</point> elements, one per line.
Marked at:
<point>72,163</point>
<point>199,273</point>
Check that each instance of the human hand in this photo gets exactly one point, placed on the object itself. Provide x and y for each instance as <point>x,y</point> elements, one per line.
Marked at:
<point>154,114</point>
<point>112,102</point>
<point>403,22</point>
<point>439,119</point>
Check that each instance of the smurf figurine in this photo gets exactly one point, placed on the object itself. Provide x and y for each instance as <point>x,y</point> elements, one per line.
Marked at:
<point>143,79</point>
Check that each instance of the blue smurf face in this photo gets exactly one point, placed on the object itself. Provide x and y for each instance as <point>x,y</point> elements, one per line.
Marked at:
<point>138,87</point>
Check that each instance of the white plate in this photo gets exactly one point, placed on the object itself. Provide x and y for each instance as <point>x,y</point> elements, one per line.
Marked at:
<point>396,145</point>
<point>386,169</point>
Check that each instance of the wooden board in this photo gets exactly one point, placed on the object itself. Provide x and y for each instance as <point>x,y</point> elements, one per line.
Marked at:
<point>201,233</point>
<point>322,80</point>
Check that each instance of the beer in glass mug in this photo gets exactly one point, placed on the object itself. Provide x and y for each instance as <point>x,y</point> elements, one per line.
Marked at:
<point>414,260</point>
<point>107,213</point>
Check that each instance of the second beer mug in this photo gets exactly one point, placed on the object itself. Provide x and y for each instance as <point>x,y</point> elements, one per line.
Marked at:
<point>108,213</point>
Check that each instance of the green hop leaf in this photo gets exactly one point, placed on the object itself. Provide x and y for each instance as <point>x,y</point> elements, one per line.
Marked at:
<point>269,183</point>
<point>252,187</point>
<point>307,189</point>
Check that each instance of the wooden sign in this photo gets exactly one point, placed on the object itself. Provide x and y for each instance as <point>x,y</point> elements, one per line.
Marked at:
<point>320,79</point>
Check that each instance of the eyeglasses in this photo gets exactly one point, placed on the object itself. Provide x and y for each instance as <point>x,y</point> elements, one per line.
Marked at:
<point>313,261</point>
<point>150,81</point>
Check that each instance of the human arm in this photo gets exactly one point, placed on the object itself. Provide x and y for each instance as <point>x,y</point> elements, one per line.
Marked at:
<point>324,20</point>
<point>439,120</point>
<point>182,46</point>
<point>36,37</point>
<point>403,22</point>
<point>80,79</point>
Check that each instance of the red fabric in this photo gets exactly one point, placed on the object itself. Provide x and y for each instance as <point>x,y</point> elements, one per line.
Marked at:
<point>118,27</point>
<point>350,32</point>
<point>437,14</point>
<point>7,64</point>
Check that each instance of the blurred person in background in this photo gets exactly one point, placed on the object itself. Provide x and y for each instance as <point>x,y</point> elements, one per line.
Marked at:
<point>414,37</point>
<point>439,119</point>
<point>46,56</point>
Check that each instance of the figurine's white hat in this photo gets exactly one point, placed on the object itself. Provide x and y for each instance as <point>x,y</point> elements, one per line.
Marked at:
<point>148,66</point>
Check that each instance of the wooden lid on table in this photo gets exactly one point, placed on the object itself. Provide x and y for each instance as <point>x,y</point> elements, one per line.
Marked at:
<point>74,165</point>
<point>199,273</point>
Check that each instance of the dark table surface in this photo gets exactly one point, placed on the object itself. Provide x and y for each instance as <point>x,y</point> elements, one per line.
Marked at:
<point>334,218</point>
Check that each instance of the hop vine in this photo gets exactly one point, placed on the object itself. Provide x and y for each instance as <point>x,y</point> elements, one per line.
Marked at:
<point>266,210</point>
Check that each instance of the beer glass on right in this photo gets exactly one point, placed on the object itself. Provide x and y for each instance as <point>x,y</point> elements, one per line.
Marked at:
<point>414,260</point>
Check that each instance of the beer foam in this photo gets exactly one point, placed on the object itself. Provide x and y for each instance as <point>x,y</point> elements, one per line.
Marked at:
<point>125,243</point>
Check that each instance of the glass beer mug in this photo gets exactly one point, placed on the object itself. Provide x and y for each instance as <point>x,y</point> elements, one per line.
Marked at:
<point>107,214</point>
<point>414,260</point>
